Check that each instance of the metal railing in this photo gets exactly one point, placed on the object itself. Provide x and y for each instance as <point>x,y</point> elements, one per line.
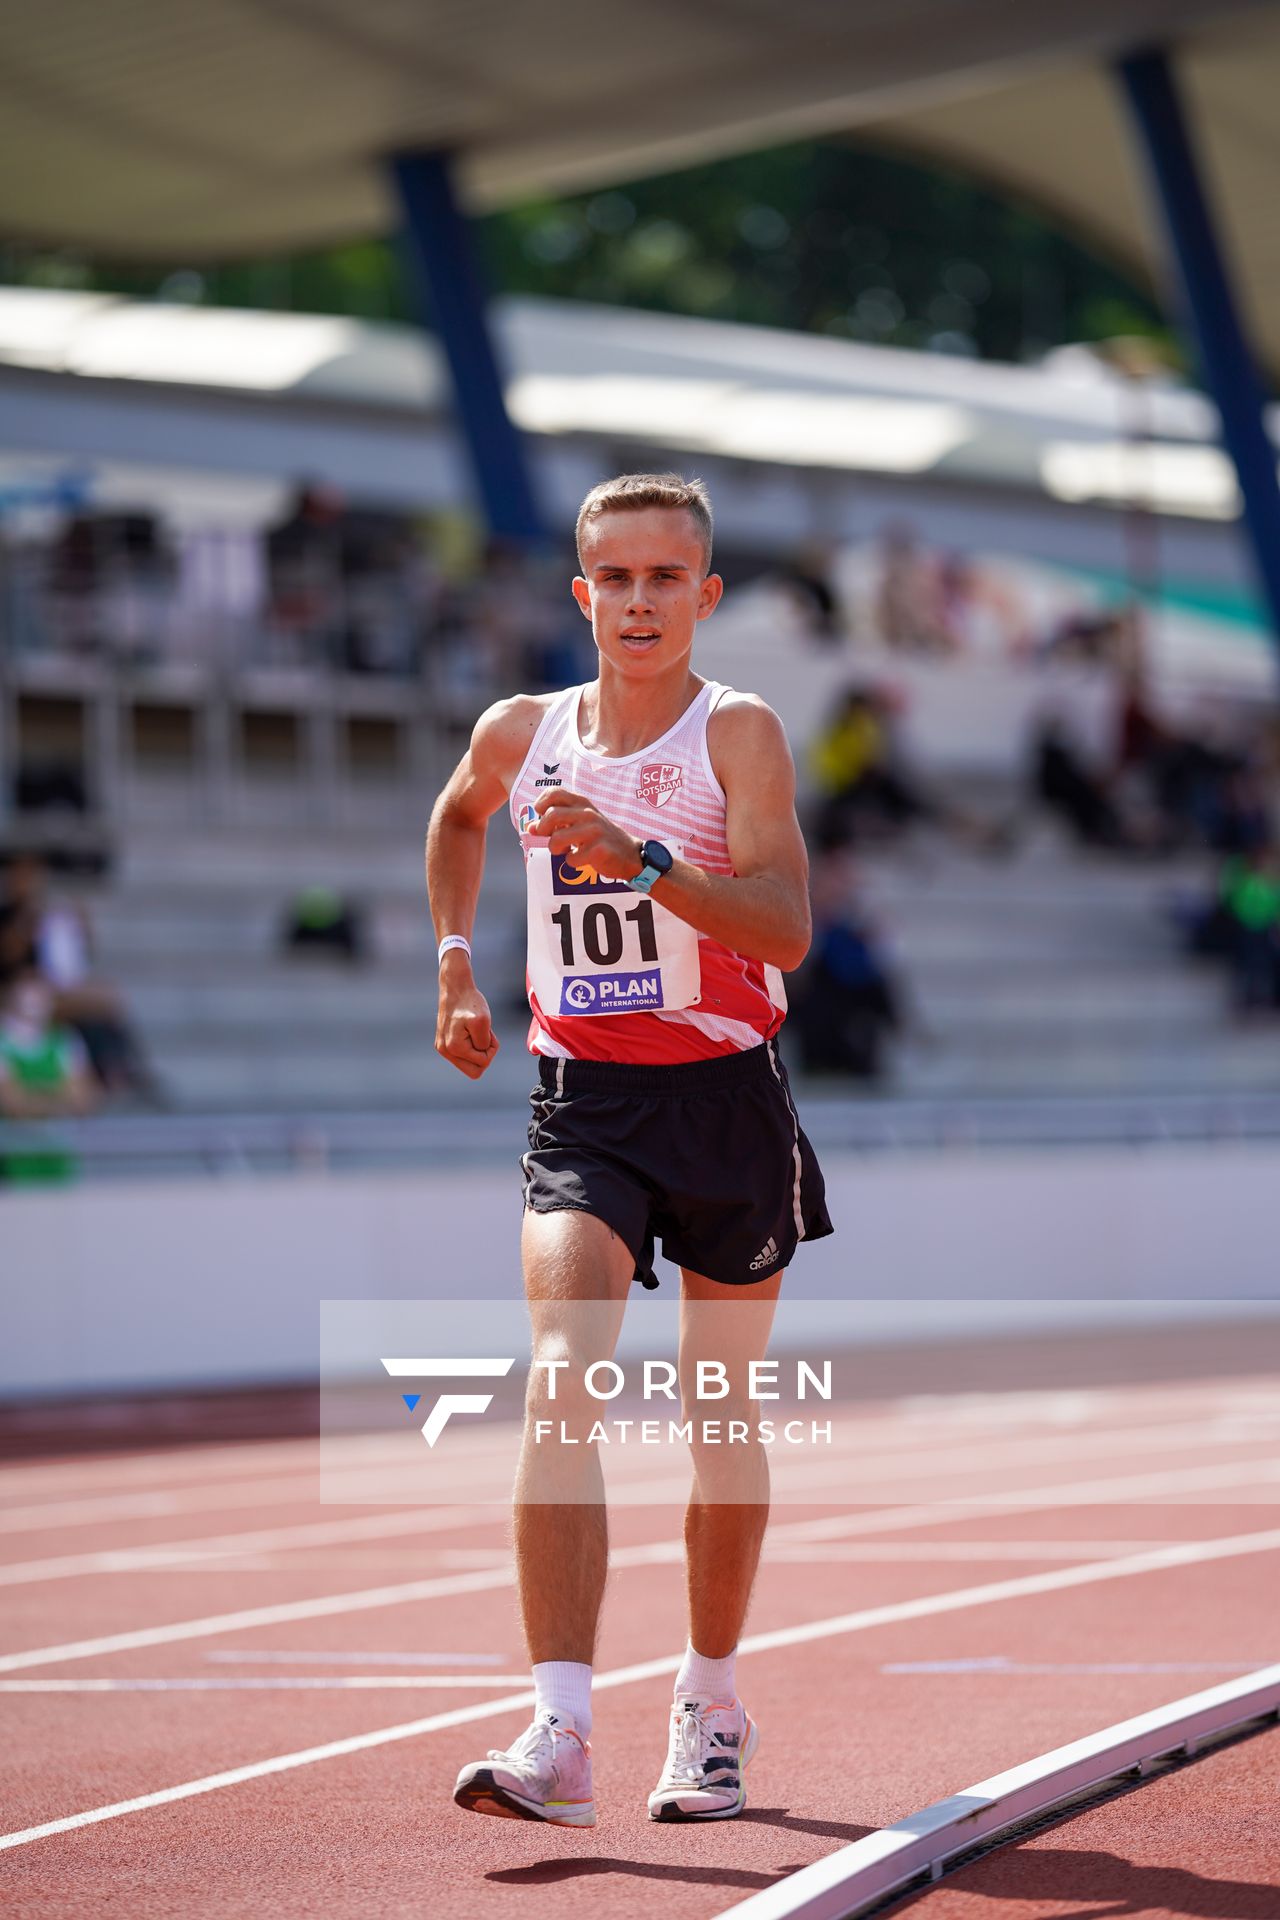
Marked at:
<point>127,1145</point>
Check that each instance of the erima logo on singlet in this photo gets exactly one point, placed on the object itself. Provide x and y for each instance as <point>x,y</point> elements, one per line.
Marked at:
<point>555,769</point>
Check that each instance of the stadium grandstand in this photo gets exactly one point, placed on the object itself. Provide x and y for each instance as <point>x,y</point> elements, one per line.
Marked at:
<point>248,724</point>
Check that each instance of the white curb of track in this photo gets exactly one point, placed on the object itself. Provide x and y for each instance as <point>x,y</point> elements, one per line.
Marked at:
<point>859,1877</point>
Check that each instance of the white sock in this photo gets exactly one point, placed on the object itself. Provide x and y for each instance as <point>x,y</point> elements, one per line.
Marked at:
<point>699,1675</point>
<point>565,1687</point>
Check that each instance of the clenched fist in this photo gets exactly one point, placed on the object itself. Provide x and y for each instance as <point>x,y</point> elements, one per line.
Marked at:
<point>464,1028</point>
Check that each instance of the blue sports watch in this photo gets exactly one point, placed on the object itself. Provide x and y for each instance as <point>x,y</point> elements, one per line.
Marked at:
<point>658,860</point>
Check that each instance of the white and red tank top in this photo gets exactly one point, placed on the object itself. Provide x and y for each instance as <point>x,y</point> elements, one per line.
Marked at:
<point>667,791</point>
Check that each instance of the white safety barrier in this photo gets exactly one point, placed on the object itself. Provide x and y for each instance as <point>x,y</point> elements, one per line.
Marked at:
<point>858,1878</point>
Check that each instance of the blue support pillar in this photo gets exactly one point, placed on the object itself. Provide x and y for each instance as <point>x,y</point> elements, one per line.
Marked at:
<point>1225,360</point>
<point>443,258</point>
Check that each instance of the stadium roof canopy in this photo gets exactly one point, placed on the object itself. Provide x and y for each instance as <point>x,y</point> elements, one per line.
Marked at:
<point>146,130</point>
<point>1065,430</point>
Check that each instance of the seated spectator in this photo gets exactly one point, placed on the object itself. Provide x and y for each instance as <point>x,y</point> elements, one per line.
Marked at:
<point>808,577</point>
<point>304,573</point>
<point>320,921</point>
<point>1251,897</point>
<point>868,793</point>
<point>854,768</point>
<point>44,1074</point>
<point>847,1001</point>
<point>1069,788</point>
<point>51,936</point>
<point>111,576</point>
<point>905,609</point>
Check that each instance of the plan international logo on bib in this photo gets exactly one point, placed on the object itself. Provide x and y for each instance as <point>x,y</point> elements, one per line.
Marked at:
<point>658,781</point>
<point>611,992</point>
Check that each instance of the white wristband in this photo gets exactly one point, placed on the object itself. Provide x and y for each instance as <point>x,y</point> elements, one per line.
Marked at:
<point>453,940</point>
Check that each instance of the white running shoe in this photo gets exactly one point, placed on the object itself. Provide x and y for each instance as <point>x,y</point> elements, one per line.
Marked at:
<point>544,1775</point>
<point>711,1744</point>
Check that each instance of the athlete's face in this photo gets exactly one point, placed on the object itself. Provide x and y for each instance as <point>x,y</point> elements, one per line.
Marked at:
<point>643,589</point>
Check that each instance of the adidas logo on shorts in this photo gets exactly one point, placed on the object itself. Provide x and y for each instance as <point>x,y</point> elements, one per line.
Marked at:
<point>768,1252</point>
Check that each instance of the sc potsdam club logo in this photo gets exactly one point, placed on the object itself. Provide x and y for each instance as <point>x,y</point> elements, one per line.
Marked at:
<point>417,1367</point>
<point>659,780</point>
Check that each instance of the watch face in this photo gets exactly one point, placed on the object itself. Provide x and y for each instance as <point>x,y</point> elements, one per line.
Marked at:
<point>654,854</point>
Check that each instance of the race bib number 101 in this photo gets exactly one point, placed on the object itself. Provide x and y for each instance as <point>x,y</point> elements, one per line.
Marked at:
<point>596,947</point>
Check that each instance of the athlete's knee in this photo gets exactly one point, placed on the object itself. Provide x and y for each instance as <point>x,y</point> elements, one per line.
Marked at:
<point>558,1388</point>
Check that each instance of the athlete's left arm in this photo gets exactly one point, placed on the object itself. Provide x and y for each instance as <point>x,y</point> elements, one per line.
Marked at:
<point>762,908</point>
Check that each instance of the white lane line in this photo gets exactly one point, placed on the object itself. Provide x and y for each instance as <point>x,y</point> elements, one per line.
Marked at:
<point>1185,1554</point>
<point>858,1879</point>
<point>878,1455</point>
<point>203,1547</point>
<point>419,1519</point>
<point>931,1417</point>
<point>871,1552</point>
<point>397,1482</point>
<point>996,1664</point>
<point>323,1606</point>
<point>274,1683</point>
<point>354,1559</point>
<point>365,1657</point>
<point>1162,1487</point>
<point>1030,1500</point>
<point>327,1533</point>
<point>1192,1553</point>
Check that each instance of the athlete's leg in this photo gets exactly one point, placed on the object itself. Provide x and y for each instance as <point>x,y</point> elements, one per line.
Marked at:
<point>728,1509</point>
<point>577,1272</point>
<point>711,1736</point>
<point>561,1536</point>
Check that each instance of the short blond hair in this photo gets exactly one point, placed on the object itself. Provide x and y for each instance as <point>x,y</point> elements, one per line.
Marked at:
<point>629,492</point>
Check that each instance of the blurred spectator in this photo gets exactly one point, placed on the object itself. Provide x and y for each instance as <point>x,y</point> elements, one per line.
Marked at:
<point>945,604</point>
<point>388,591</point>
<point>51,936</point>
<point>1251,896</point>
<point>304,576</point>
<point>848,1001</point>
<point>905,603</point>
<point>866,790</point>
<point>1069,788</point>
<point>321,921</point>
<point>854,766</point>
<point>808,576</point>
<point>110,584</point>
<point>1239,923</point>
<point>44,1074</point>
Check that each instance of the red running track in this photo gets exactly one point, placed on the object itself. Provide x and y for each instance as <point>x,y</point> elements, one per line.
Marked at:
<point>1007,1572</point>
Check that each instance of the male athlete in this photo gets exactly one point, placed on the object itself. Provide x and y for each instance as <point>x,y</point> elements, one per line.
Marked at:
<point>667,884</point>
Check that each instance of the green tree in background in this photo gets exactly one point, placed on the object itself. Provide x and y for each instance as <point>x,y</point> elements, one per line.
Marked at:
<point>826,237</point>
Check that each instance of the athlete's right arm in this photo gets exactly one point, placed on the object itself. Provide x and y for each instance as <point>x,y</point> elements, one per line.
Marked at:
<point>455,863</point>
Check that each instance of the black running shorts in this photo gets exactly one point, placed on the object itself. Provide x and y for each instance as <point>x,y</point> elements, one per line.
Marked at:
<point>707,1156</point>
